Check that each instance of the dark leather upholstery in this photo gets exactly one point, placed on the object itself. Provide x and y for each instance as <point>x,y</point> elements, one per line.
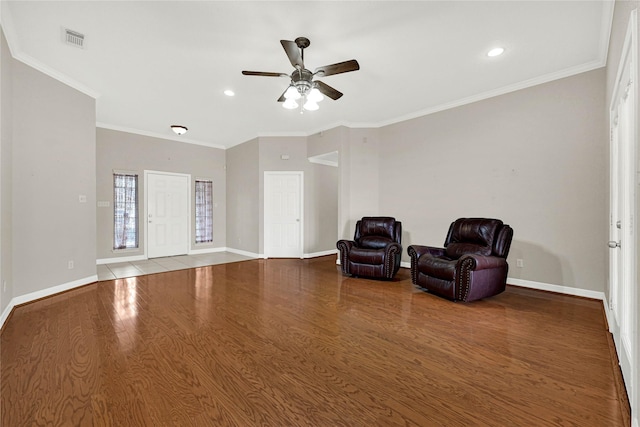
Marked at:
<point>472,265</point>
<point>375,250</point>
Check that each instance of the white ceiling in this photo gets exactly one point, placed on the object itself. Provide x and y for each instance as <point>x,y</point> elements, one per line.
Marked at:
<point>151,64</point>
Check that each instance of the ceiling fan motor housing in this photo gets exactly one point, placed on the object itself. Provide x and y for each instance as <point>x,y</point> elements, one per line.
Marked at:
<point>302,42</point>
<point>302,81</point>
<point>301,78</point>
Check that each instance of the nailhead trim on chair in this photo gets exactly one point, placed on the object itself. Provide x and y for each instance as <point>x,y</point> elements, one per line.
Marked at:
<point>390,262</point>
<point>344,260</point>
<point>414,265</point>
<point>465,270</point>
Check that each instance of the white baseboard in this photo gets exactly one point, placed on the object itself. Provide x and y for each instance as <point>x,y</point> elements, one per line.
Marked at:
<point>132,258</point>
<point>206,251</point>
<point>135,258</point>
<point>304,256</point>
<point>23,299</point>
<point>6,313</point>
<point>245,253</point>
<point>543,287</point>
<point>322,253</point>
<point>567,290</point>
<point>607,312</point>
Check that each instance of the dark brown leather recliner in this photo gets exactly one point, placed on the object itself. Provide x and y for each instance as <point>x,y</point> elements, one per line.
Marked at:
<point>375,250</point>
<point>472,265</point>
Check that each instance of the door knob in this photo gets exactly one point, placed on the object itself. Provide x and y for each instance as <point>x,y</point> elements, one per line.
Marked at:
<point>613,244</point>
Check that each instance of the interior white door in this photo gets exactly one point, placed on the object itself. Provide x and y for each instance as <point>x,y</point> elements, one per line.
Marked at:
<point>167,214</point>
<point>283,214</point>
<point>622,221</point>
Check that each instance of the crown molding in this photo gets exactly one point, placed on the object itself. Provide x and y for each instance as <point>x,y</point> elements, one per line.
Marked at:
<point>17,54</point>
<point>158,135</point>
<point>56,75</point>
<point>593,65</point>
<point>605,32</point>
<point>605,29</point>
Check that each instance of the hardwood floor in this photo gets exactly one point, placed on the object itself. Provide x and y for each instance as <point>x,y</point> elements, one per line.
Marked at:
<point>295,343</point>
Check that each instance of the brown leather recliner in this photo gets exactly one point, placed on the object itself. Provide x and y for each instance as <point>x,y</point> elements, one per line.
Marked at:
<point>472,265</point>
<point>375,250</point>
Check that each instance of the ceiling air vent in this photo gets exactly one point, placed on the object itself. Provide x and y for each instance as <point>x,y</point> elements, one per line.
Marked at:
<point>74,38</point>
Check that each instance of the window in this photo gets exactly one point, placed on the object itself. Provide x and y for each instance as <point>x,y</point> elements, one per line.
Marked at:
<point>204,211</point>
<point>125,211</point>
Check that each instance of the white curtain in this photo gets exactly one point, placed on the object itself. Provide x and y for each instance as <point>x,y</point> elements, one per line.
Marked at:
<point>204,211</point>
<point>125,208</point>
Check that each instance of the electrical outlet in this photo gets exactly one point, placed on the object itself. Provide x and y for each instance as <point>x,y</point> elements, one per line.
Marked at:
<point>519,262</point>
<point>70,265</point>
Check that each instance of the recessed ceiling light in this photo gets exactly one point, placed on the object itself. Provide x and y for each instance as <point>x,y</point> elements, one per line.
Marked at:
<point>496,51</point>
<point>229,92</point>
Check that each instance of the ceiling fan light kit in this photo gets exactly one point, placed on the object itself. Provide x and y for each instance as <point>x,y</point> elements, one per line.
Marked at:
<point>302,84</point>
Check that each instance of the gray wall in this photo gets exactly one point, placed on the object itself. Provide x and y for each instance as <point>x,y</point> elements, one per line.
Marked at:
<point>541,149</point>
<point>328,141</point>
<point>246,164</point>
<point>243,195</point>
<point>536,158</point>
<point>360,179</point>
<point>320,190</point>
<point>53,163</point>
<point>125,151</point>
<point>270,149</point>
<point>6,126</point>
<point>321,227</point>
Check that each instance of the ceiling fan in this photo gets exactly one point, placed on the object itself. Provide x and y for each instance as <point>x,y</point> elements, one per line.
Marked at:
<point>302,83</point>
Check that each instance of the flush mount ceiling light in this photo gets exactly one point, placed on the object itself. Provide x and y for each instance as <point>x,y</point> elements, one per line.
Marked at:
<point>229,92</point>
<point>496,51</point>
<point>179,129</point>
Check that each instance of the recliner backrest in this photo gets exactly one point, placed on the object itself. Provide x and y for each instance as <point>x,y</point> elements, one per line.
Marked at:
<point>377,232</point>
<point>473,236</point>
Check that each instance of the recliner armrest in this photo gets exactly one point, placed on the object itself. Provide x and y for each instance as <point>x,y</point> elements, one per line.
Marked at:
<point>417,251</point>
<point>393,247</point>
<point>481,262</point>
<point>345,244</point>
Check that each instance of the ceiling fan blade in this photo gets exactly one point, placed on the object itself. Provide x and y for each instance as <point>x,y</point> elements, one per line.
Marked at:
<point>327,90</point>
<point>293,52</point>
<point>263,73</point>
<point>340,67</point>
<point>282,98</point>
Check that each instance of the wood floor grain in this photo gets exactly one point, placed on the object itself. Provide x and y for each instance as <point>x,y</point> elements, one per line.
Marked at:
<point>296,343</point>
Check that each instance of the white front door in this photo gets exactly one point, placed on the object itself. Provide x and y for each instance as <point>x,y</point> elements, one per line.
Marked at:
<point>622,221</point>
<point>283,214</point>
<point>167,214</point>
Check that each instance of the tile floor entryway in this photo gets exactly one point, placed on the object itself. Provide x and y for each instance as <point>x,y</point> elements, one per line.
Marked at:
<point>121,270</point>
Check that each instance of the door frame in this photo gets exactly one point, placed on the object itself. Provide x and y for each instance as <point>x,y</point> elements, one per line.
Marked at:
<point>623,292</point>
<point>146,206</point>
<point>265,213</point>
